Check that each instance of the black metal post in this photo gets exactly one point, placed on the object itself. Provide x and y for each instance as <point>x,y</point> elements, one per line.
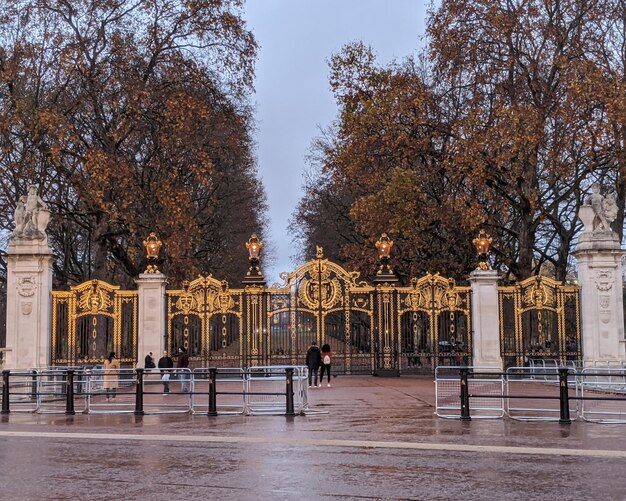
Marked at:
<point>69,393</point>
<point>139,393</point>
<point>33,385</point>
<point>465,405</point>
<point>289,411</point>
<point>212,392</point>
<point>5,391</point>
<point>564,396</point>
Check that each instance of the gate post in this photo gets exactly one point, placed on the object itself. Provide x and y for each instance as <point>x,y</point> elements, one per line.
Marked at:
<point>29,284</point>
<point>599,259</point>
<point>486,350</point>
<point>152,323</point>
<point>564,396</point>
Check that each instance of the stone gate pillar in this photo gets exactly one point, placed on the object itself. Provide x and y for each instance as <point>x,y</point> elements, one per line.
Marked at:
<point>599,257</point>
<point>29,283</point>
<point>152,316</point>
<point>485,319</point>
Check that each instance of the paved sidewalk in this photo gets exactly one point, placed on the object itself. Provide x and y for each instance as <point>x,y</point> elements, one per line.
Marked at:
<point>368,438</point>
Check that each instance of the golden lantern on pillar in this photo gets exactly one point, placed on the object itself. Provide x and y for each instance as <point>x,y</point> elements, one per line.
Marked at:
<point>482,244</point>
<point>152,245</point>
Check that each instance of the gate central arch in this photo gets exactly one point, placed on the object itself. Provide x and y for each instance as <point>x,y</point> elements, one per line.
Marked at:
<point>322,302</point>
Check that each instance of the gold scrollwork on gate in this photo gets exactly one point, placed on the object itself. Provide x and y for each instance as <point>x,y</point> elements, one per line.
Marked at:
<point>321,290</point>
<point>93,300</point>
<point>205,298</point>
<point>537,335</point>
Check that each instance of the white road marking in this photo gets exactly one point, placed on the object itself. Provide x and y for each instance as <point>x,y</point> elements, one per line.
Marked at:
<point>308,442</point>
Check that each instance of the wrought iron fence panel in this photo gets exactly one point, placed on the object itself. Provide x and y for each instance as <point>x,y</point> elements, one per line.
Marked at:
<point>91,320</point>
<point>539,319</point>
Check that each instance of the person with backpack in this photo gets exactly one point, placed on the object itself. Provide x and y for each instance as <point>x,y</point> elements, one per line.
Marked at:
<point>165,364</point>
<point>313,361</point>
<point>326,361</point>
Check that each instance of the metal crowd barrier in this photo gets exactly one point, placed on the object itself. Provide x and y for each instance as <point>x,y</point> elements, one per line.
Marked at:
<point>532,393</point>
<point>448,392</point>
<point>259,390</point>
<point>595,384</point>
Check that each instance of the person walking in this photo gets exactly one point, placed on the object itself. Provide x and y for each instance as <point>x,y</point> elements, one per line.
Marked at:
<point>326,361</point>
<point>183,363</point>
<point>165,364</point>
<point>313,361</point>
<point>111,377</point>
<point>149,362</point>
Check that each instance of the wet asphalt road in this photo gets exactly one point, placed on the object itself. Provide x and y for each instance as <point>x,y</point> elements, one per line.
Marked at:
<point>379,440</point>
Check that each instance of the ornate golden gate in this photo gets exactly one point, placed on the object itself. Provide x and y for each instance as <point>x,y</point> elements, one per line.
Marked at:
<point>539,320</point>
<point>435,324</point>
<point>91,320</point>
<point>205,317</point>
<point>371,329</point>
<point>322,302</point>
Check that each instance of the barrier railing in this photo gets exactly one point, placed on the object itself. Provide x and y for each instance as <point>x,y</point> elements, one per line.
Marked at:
<point>448,388</point>
<point>536,393</point>
<point>595,384</point>
<point>212,391</point>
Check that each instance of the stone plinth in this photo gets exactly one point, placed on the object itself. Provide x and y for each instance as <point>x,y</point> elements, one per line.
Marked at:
<point>485,319</point>
<point>29,283</point>
<point>599,257</point>
<point>151,333</point>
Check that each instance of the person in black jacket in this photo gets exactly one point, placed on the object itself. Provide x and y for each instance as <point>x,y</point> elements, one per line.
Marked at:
<point>149,361</point>
<point>313,361</point>
<point>166,363</point>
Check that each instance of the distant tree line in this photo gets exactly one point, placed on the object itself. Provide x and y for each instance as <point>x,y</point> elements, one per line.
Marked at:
<point>131,117</point>
<point>512,111</point>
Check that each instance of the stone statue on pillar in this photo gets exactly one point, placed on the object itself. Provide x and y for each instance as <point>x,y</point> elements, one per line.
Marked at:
<point>598,212</point>
<point>29,283</point>
<point>599,256</point>
<point>31,217</point>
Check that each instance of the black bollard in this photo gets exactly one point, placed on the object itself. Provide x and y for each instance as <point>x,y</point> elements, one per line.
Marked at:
<point>465,404</point>
<point>69,393</point>
<point>289,410</point>
<point>5,392</point>
<point>212,392</point>
<point>139,393</point>
<point>33,385</point>
<point>564,396</point>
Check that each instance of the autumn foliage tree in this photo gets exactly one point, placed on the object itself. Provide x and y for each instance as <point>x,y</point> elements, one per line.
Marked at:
<point>504,122</point>
<point>131,117</point>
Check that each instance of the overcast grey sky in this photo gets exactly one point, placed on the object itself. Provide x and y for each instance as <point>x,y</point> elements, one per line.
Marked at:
<point>293,98</point>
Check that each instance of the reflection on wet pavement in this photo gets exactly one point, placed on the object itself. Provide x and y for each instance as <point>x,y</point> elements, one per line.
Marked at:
<point>247,460</point>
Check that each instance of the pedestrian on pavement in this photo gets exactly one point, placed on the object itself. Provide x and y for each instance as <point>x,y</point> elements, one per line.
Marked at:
<point>165,364</point>
<point>111,377</point>
<point>149,361</point>
<point>183,363</point>
<point>313,361</point>
<point>326,361</point>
